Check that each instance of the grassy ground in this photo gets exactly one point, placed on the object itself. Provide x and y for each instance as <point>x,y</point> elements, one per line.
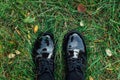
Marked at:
<point>101,31</point>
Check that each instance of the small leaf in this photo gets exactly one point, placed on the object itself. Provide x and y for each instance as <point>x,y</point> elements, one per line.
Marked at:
<point>35,28</point>
<point>81,23</point>
<point>29,19</point>
<point>17,52</point>
<point>11,55</point>
<point>108,52</point>
<point>91,78</point>
<point>81,8</point>
<point>29,36</point>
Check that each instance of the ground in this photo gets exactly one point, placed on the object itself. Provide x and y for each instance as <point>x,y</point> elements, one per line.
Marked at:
<point>99,24</point>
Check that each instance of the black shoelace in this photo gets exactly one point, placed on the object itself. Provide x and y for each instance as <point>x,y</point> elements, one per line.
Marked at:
<point>45,66</point>
<point>75,64</point>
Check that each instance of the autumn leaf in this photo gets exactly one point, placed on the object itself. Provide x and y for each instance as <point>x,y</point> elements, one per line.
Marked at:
<point>17,52</point>
<point>11,55</point>
<point>81,23</point>
<point>108,52</point>
<point>81,8</point>
<point>35,28</point>
<point>28,36</point>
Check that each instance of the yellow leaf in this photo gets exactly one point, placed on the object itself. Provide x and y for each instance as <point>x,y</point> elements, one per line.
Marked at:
<point>108,52</point>
<point>29,36</point>
<point>35,28</point>
<point>17,52</point>
<point>81,23</point>
<point>11,55</point>
<point>91,78</point>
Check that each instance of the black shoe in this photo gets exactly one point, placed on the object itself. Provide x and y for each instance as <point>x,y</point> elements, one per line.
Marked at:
<point>75,56</point>
<point>43,57</point>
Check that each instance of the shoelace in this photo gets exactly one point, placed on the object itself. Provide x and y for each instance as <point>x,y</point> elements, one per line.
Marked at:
<point>75,65</point>
<point>45,66</point>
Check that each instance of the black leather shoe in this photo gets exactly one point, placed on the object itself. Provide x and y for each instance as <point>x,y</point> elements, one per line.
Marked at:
<point>75,56</point>
<point>43,57</point>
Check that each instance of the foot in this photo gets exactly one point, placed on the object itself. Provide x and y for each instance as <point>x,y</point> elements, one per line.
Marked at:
<point>43,57</point>
<point>75,56</point>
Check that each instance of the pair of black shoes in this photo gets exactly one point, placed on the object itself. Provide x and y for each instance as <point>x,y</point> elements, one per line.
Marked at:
<point>75,56</point>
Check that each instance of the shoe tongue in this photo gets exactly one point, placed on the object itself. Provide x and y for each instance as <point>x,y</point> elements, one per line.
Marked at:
<point>45,55</point>
<point>74,53</point>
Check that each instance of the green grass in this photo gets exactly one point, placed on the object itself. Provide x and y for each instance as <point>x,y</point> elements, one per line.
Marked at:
<point>101,30</point>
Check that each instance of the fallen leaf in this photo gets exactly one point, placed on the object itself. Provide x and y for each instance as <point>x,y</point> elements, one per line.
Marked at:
<point>35,28</point>
<point>11,55</point>
<point>91,78</point>
<point>108,52</point>
<point>17,52</point>
<point>81,23</point>
<point>29,36</point>
<point>81,8</point>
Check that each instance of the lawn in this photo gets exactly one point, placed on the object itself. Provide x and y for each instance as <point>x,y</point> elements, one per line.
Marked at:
<point>22,20</point>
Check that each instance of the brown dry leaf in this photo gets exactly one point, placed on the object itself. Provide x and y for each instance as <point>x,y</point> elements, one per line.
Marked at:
<point>91,78</point>
<point>11,55</point>
<point>81,8</point>
<point>17,52</point>
<point>108,52</point>
<point>35,28</point>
